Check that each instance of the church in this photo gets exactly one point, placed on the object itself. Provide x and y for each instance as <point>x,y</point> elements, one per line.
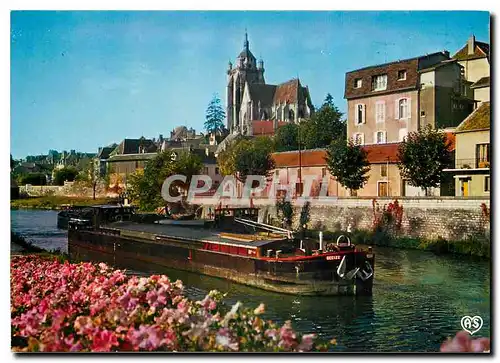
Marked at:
<point>256,108</point>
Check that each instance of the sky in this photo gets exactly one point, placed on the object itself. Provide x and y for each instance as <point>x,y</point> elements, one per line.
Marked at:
<point>81,80</point>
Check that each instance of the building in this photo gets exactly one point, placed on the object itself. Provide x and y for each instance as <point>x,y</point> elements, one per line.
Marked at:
<point>473,154</point>
<point>102,157</point>
<point>474,57</point>
<point>387,101</point>
<point>128,157</point>
<point>384,177</point>
<point>250,99</point>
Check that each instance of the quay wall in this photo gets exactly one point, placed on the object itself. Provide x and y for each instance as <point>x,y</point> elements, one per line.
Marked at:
<point>450,218</point>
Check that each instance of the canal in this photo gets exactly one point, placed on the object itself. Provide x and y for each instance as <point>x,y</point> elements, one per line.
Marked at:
<point>418,297</point>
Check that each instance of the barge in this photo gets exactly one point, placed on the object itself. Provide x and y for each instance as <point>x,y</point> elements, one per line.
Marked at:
<point>233,246</point>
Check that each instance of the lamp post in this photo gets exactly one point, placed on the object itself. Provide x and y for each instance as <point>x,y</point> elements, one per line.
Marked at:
<point>300,161</point>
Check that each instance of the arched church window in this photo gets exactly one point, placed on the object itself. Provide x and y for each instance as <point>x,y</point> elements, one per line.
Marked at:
<point>291,115</point>
<point>263,115</point>
<point>301,113</point>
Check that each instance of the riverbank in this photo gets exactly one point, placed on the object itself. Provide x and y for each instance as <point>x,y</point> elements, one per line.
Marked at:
<point>473,246</point>
<point>56,202</point>
<point>20,245</point>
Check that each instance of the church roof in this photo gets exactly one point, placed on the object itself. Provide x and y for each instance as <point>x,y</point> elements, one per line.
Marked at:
<point>246,53</point>
<point>263,93</point>
<point>287,92</point>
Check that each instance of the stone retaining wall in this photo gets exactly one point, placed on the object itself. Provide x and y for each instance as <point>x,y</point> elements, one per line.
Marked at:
<point>450,218</point>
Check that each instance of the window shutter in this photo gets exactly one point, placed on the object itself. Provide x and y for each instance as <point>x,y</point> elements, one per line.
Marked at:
<point>408,100</point>
<point>396,110</point>
<point>362,138</point>
<point>385,137</point>
<point>364,113</point>
<point>356,114</point>
<point>382,111</point>
<point>375,138</point>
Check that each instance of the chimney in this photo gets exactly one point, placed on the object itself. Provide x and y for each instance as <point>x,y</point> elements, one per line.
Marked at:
<point>471,45</point>
<point>446,54</point>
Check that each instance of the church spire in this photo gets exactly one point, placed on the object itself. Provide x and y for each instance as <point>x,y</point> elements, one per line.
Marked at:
<point>245,44</point>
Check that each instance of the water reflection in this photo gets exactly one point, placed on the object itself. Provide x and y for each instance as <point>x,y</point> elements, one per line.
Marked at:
<point>418,297</point>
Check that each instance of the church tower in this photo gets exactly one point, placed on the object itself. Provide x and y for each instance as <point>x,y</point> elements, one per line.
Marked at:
<point>246,71</point>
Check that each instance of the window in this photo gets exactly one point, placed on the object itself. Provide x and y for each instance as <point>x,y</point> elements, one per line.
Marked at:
<point>205,170</point>
<point>379,83</point>
<point>360,113</point>
<point>380,112</point>
<point>422,113</point>
<point>382,189</point>
<point>487,183</point>
<point>403,109</point>
<point>323,172</point>
<point>401,75</point>
<point>358,82</point>
<point>402,134</point>
<point>359,138</point>
<point>291,115</point>
<point>482,155</point>
<point>380,137</point>
<point>383,170</point>
<point>216,171</point>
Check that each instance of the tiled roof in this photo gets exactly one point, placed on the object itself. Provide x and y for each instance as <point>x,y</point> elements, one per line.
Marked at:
<point>131,157</point>
<point>450,137</point>
<point>382,153</point>
<point>131,146</point>
<point>316,157</point>
<point>265,127</point>
<point>412,67</point>
<point>479,119</point>
<point>481,50</point>
<point>287,92</point>
<point>482,82</point>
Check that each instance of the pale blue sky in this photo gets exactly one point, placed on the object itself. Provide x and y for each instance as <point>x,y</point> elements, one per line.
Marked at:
<point>80,80</point>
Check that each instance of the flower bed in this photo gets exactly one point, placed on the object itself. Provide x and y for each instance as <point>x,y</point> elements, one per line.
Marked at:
<point>60,307</point>
<point>88,307</point>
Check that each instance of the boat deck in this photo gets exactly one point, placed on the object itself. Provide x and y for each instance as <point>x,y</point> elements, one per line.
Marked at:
<point>189,233</point>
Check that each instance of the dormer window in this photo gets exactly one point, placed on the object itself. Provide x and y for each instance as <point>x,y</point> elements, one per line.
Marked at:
<point>402,75</point>
<point>358,82</point>
<point>379,83</point>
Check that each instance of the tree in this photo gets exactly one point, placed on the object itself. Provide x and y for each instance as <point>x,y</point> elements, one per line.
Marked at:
<point>325,126</point>
<point>348,163</point>
<point>68,173</point>
<point>145,185</point>
<point>89,176</point>
<point>422,157</point>
<point>215,115</point>
<point>33,179</point>
<point>253,157</point>
<point>286,137</point>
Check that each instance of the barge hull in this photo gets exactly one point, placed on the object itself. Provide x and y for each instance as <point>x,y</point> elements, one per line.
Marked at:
<point>189,256</point>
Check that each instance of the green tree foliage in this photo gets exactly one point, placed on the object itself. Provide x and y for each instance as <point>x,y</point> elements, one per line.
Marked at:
<point>422,157</point>
<point>145,185</point>
<point>247,157</point>
<point>33,179</point>
<point>286,137</point>
<point>68,173</point>
<point>215,115</point>
<point>348,163</point>
<point>325,126</point>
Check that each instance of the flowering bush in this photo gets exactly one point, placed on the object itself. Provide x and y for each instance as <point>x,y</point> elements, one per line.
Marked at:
<point>462,343</point>
<point>90,307</point>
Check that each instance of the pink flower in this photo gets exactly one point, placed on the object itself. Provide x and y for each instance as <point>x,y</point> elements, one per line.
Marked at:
<point>307,343</point>
<point>462,343</point>
<point>103,341</point>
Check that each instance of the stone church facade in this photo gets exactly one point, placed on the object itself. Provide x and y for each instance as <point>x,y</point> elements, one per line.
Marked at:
<point>250,101</point>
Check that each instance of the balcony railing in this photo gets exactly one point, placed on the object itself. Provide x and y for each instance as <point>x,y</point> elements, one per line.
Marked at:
<point>471,164</point>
